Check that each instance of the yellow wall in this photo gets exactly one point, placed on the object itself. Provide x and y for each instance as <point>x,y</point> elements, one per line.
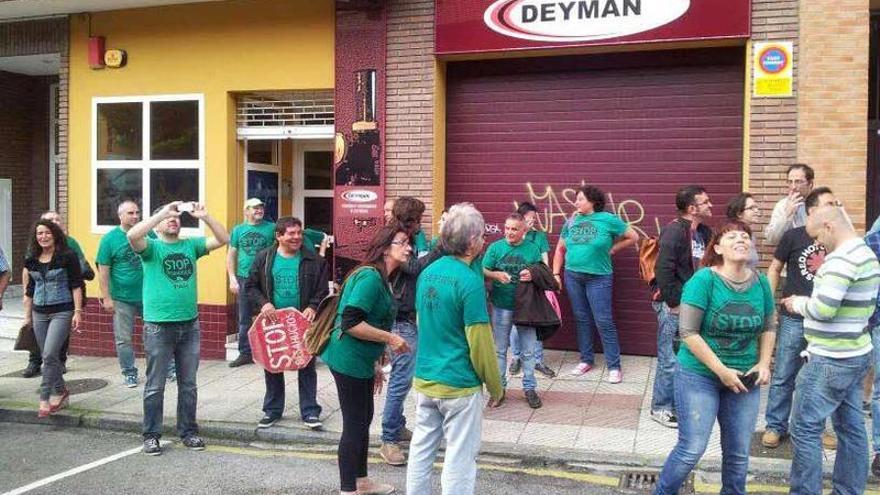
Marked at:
<point>211,48</point>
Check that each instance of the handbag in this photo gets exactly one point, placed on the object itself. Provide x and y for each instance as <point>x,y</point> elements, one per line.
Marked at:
<point>26,340</point>
<point>317,336</point>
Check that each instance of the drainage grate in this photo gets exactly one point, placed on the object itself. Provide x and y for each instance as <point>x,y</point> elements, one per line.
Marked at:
<point>645,481</point>
<point>85,385</point>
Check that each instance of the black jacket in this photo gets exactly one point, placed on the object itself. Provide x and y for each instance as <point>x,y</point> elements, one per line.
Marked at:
<point>675,264</point>
<point>313,278</point>
<point>403,284</point>
<point>532,307</point>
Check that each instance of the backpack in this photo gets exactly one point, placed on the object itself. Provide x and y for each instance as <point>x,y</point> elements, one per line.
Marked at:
<point>649,251</point>
<point>318,334</point>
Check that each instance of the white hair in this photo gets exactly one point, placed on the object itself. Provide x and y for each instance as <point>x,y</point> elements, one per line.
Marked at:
<point>464,223</point>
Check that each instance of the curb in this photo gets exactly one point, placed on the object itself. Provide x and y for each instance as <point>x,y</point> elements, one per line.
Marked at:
<point>765,470</point>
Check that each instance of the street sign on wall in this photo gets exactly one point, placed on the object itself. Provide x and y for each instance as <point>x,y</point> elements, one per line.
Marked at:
<point>474,26</point>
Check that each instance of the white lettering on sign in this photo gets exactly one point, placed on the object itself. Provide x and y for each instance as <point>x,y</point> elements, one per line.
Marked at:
<point>581,20</point>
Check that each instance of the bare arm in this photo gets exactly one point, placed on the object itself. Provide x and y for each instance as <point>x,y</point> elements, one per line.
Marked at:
<point>559,257</point>
<point>221,236</point>
<point>629,238</point>
<point>773,274</point>
<point>104,284</point>
<point>231,266</point>
<point>137,235</point>
<point>28,309</point>
<point>77,307</point>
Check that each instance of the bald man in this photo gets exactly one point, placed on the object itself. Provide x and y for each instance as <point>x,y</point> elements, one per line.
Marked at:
<point>838,355</point>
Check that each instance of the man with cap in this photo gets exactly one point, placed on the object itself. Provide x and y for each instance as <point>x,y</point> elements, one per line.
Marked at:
<point>248,238</point>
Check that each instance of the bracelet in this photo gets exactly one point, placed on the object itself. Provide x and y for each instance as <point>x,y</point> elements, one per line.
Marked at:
<point>557,274</point>
<point>77,311</point>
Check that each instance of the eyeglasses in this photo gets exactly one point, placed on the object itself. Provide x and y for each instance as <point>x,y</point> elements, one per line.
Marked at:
<point>400,243</point>
<point>796,182</point>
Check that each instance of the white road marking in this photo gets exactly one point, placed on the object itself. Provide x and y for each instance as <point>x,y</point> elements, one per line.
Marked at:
<point>80,469</point>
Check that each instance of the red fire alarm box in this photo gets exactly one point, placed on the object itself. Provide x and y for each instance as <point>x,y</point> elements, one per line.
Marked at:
<point>96,52</point>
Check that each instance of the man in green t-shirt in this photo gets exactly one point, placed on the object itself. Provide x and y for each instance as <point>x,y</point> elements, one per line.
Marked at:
<point>35,360</point>
<point>248,239</point>
<point>171,325</point>
<point>121,277</point>
<point>505,265</point>
<point>287,276</point>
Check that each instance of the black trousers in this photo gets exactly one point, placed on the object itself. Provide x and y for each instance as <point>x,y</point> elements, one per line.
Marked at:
<point>356,402</point>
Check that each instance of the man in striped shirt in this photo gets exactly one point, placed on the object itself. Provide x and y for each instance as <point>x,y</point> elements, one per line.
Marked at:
<point>838,356</point>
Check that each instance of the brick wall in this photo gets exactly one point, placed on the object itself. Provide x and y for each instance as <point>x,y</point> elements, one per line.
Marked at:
<point>33,37</point>
<point>833,101</point>
<point>773,124</point>
<point>24,153</point>
<point>409,132</point>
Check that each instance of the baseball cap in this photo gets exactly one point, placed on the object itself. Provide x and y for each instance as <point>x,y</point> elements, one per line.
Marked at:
<point>253,202</point>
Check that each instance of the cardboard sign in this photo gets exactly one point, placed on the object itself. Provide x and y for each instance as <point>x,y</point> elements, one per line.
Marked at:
<point>279,346</point>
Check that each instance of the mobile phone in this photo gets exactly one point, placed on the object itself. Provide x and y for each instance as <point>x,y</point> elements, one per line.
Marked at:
<point>749,380</point>
<point>187,207</point>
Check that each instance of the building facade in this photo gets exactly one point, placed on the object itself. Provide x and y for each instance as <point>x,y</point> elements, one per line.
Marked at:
<point>325,109</point>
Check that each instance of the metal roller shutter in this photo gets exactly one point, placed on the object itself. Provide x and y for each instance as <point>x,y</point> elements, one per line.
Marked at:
<point>637,125</point>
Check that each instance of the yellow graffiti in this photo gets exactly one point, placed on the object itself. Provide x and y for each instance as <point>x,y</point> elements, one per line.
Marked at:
<point>551,209</point>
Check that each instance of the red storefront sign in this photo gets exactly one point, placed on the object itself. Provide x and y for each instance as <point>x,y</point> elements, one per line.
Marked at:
<point>473,26</point>
<point>278,346</point>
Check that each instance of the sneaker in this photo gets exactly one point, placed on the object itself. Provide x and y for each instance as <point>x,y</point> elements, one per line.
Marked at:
<point>242,360</point>
<point>392,454</point>
<point>515,367</point>
<point>267,421</point>
<point>405,435</point>
<point>533,399</point>
<point>829,441</point>
<point>771,439</point>
<point>31,371</point>
<point>313,422</point>
<point>544,370</point>
<point>581,369</point>
<point>665,418</point>
<point>875,466</point>
<point>152,447</point>
<point>130,381</point>
<point>615,376</point>
<point>194,442</point>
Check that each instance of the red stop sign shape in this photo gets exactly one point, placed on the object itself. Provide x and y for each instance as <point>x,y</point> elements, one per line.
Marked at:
<point>279,346</point>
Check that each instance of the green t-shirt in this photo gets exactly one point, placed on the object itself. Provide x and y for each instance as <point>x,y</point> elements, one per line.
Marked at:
<point>449,298</point>
<point>501,256</point>
<point>732,322</point>
<point>588,239</point>
<point>72,244</point>
<point>539,238</point>
<point>170,279</point>
<point>420,244</point>
<point>285,281</point>
<point>126,271</point>
<point>249,240</point>
<point>350,355</point>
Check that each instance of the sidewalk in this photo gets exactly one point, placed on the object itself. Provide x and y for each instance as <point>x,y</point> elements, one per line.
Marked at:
<point>584,419</point>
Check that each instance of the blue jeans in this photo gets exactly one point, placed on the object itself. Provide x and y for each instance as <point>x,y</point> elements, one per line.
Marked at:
<point>502,323</point>
<point>875,396</point>
<point>514,347</point>
<point>789,345</point>
<point>699,401</point>
<point>663,397</point>
<point>830,387</point>
<point>244,318</point>
<point>123,327</point>
<point>590,297</point>
<point>307,383</point>
<point>163,341</point>
<point>403,367</point>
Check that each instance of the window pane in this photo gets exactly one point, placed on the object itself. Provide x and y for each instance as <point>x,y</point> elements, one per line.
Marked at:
<point>167,185</point>
<point>264,185</point>
<point>119,133</point>
<point>260,151</point>
<point>174,130</point>
<point>318,169</point>
<point>114,187</point>
<point>318,214</point>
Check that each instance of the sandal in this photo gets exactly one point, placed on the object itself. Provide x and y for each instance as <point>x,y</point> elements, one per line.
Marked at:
<point>44,412</point>
<point>65,400</point>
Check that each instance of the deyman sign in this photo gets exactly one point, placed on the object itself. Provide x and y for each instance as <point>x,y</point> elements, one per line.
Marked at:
<point>472,26</point>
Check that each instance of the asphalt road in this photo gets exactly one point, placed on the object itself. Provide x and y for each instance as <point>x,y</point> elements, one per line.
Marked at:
<point>84,461</point>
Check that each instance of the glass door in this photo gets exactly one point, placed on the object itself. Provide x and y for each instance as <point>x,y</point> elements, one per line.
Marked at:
<point>313,185</point>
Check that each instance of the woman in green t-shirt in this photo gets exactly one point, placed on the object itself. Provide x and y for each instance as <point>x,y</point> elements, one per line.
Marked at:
<point>728,328</point>
<point>586,244</point>
<point>363,329</point>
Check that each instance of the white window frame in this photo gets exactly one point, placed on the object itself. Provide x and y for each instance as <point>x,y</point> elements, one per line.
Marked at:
<point>299,177</point>
<point>146,164</point>
<point>274,167</point>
